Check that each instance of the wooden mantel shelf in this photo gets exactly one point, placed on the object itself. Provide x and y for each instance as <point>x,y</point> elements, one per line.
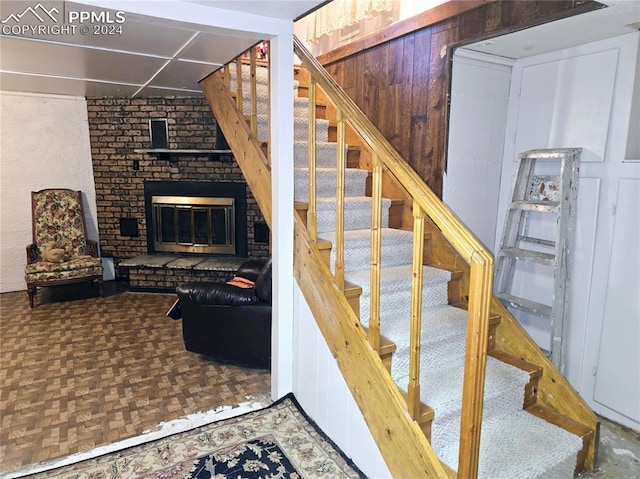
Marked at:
<point>167,153</point>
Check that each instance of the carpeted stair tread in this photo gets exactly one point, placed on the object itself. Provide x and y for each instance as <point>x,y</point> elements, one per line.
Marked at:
<point>442,339</point>
<point>395,285</point>
<point>262,75</point>
<point>398,277</point>
<point>442,389</point>
<point>357,213</point>
<point>442,372</point>
<point>326,182</point>
<point>300,129</point>
<point>518,445</point>
<point>439,324</point>
<point>442,335</point>
<point>358,251</point>
<point>326,154</point>
<point>300,106</point>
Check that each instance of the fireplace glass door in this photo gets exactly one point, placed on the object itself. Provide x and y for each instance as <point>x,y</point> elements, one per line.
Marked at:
<point>194,224</point>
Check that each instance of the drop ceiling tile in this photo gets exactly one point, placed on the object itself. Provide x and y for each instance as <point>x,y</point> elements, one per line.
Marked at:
<point>180,74</point>
<point>164,92</point>
<point>216,48</point>
<point>63,86</point>
<point>28,56</point>
<point>131,36</point>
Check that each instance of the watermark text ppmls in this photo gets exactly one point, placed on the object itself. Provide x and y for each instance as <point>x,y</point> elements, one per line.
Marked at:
<point>56,18</point>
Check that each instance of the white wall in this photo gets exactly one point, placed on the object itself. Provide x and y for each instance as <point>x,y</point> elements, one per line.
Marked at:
<point>321,390</point>
<point>479,101</point>
<point>44,143</point>
<point>581,97</point>
<point>281,144</point>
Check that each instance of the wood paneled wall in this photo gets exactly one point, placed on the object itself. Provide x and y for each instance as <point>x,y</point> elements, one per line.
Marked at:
<point>402,84</point>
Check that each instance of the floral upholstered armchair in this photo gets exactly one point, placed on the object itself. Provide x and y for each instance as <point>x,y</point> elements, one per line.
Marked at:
<point>59,226</point>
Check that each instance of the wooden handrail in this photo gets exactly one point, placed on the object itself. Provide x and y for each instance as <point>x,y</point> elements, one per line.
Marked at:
<point>463,240</point>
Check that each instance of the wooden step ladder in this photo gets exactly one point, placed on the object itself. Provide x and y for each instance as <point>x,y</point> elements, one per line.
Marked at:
<point>546,183</point>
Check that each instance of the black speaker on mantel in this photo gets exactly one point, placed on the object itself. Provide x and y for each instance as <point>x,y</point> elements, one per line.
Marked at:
<point>159,131</point>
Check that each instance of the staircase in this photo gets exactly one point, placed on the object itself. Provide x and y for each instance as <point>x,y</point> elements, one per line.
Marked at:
<point>522,434</point>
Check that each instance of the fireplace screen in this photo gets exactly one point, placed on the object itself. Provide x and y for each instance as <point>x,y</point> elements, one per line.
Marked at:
<point>190,224</point>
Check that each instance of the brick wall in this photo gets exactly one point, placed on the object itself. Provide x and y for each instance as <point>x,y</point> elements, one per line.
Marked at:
<point>117,127</point>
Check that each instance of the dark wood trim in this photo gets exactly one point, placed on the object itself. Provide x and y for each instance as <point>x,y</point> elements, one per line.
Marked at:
<point>422,20</point>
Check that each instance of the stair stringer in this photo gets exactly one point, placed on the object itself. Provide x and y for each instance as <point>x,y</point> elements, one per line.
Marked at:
<point>246,149</point>
<point>554,390</point>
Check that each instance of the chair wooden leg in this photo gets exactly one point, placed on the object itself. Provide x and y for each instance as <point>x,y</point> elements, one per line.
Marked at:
<point>101,288</point>
<point>31,291</point>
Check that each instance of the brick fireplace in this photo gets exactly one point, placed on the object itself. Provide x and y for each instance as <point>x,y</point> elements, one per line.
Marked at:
<point>118,127</point>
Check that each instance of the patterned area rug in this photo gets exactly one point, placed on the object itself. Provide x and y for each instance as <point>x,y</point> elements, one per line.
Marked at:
<point>279,441</point>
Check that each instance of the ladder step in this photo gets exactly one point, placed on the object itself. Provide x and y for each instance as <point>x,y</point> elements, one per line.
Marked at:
<point>524,304</point>
<point>529,239</point>
<point>540,206</point>
<point>528,255</point>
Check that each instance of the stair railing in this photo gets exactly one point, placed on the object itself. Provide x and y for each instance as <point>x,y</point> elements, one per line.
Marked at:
<point>425,202</point>
<point>404,447</point>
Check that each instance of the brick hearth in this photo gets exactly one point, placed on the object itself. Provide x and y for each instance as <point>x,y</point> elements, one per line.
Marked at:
<point>118,127</point>
<point>164,272</point>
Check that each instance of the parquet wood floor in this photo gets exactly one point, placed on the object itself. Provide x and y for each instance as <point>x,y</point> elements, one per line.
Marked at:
<point>89,371</point>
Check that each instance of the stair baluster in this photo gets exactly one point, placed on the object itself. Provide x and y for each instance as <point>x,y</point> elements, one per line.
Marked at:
<point>340,166</point>
<point>254,93</point>
<point>239,85</point>
<point>312,217</point>
<point>226,77</point>
<point>376,253</point>
<point>415,334</point>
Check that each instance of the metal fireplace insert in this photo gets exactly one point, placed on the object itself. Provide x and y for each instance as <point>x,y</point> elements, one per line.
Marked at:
<point>196,217</point>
